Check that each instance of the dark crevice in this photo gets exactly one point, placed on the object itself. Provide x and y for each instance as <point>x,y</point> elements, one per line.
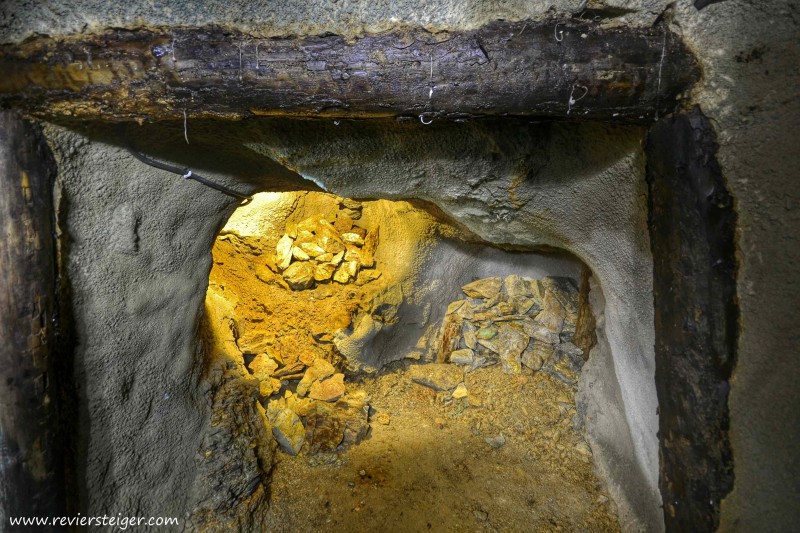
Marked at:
<point>700,4</point>
<point>64,355</point>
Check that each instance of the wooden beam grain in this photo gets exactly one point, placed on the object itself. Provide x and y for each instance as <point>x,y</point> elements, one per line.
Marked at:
<point>693,239</point>
<point>31,451</point>
<point>568,69</point>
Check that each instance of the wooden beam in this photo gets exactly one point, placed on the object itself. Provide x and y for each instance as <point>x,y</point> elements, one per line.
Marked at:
<point>31,454</point>
<point>693,239</point>
<point>569,69</point>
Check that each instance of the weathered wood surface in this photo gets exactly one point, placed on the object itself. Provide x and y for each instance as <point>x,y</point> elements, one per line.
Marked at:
<point>692,234</point>
<point>31,468</point>
<point>567,69</point>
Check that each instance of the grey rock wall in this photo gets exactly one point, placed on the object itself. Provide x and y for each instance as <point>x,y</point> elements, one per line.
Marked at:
<point>22,18</point>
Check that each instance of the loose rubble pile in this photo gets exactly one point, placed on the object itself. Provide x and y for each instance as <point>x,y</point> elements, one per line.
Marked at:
<point>517,321</point>
<point>317,250</point>
<point>322,425</point>
<point>306,399</point>
<point>307,403</point>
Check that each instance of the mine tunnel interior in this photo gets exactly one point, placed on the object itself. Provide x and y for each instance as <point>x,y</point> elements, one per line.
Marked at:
<point>499,268</point>
<point>402,311</point>
<point>384,342</point>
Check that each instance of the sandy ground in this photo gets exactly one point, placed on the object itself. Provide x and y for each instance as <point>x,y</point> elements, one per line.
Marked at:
<point>431,468</point>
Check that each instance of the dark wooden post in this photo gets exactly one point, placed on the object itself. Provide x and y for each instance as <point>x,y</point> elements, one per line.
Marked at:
<point>692,234</point>
<point>31,475</point>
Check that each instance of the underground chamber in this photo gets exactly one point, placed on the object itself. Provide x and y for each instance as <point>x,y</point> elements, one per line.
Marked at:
<point>401,367</point>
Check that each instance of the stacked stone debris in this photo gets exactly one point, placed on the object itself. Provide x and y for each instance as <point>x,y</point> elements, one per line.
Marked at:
<point>517,322</point>
<point>319,251</point>
<point>306,400</point>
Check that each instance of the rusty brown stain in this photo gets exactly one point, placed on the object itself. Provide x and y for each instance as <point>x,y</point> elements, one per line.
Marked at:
<point>26,187</point>
<point>621,85</point>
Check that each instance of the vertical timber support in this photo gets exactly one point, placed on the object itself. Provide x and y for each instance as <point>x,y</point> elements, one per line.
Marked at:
<point>692,234</point>
<point>31,467</point>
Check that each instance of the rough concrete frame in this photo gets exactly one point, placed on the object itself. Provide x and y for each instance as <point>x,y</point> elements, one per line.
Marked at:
<point>138,294</point>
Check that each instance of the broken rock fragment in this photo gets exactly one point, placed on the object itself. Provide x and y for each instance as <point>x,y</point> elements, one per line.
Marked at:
<point>552,314</point>
<point>299,275</point>
<point>312,249</point>
<point>299,254</point>
<point>349,203</point>
<point>283,252</point>
<point>508,344</point>
<point>324,271</point>
<point>537,354</point>
<point>329,389</point>
<point>485,334</point>
<point>367,276</point>
<point>268,387</point>
<point>369,248</point>
<point>353,238</point>
<point>341,275</point>
<point>343,223</point>
<point>290,369</point>
<point>287,428</point>
<point>516,287</point>
<point>319,370</point>
<point>470,338</point>
<point>332,425</point>
<point>263,366</point>
<point>351,267</point>
<point>462,357</point>
<point>460,391</point>
<point>483,288</point>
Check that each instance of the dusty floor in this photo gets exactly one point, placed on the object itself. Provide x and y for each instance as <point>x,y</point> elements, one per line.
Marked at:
<point>504,458</point>
<point>430,468</point>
